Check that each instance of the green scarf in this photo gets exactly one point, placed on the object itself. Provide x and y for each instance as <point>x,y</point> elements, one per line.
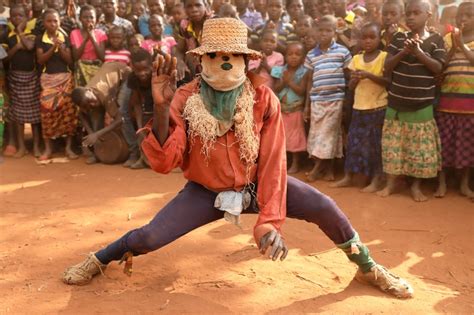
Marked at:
<point>219,104</point>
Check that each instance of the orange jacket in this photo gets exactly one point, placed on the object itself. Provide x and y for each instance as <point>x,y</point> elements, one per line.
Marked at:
<point>223,170</point>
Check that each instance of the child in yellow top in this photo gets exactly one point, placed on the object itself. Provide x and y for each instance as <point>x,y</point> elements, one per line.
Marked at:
<point>364,149</point>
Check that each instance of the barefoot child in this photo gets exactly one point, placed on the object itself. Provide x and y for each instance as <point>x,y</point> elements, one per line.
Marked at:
<point>291,90</point>
<point>455,115</point>
<point>327,64</point>
<point>23,83</point>
<point>410,140</point>
<point>59,116</point>
<point>88,46</point>
<point>364,152</point>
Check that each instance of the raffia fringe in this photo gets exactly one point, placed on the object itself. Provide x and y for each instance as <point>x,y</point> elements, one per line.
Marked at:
<point>205,126</point>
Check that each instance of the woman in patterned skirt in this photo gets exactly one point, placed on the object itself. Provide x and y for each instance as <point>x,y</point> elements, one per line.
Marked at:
<point>59,115</point>
<point>22,84</point>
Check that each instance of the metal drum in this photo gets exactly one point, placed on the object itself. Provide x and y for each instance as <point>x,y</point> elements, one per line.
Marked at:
<point>111,148</point>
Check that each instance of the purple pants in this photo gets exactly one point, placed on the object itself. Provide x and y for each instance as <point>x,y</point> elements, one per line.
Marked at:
<point>194,207</point>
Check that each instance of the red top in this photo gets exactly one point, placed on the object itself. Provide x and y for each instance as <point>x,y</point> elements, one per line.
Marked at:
<point>89,51</point>
<point>223,170</point>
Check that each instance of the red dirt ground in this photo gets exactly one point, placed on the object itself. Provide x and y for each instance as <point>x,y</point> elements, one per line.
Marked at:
<point>53,215</point>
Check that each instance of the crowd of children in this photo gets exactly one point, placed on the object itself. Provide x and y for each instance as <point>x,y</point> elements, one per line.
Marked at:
<point>388,85</point>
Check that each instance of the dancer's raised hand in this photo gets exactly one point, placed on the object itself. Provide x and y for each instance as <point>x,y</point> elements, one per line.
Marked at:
<point>163,80</point>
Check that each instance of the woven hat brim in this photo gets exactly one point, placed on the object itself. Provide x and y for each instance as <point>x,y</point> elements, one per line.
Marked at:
<point>201,50</point>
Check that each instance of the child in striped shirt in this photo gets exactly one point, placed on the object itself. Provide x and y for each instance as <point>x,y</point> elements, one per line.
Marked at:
<point>116,52</point>
<point>327,65</point>
<point>455,113</point>
<point>410,140</point>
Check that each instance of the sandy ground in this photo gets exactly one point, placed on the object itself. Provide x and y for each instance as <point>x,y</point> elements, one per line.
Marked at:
<point>52,216</point>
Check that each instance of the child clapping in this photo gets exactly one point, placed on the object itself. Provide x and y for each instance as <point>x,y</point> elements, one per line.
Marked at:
<point>291,90</point>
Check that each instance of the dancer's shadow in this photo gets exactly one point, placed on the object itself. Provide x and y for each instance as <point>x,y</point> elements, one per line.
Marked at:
<point>319,303</point>
<point>126,297</point>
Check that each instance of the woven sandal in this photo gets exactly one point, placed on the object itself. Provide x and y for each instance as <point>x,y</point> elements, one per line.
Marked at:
<point>380,277</point>
<point>83,272</point>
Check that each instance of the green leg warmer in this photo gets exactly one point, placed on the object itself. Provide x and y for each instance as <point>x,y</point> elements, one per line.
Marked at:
<point>358,253</point>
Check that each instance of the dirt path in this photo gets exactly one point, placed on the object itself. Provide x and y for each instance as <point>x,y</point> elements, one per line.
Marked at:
<point>52,216</point>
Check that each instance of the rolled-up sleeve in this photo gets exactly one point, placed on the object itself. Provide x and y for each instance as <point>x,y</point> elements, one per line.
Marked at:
<point>271,172</point>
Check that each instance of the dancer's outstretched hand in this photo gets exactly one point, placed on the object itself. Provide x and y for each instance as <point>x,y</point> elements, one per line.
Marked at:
<point>274,240</point>
<point>163,79</point>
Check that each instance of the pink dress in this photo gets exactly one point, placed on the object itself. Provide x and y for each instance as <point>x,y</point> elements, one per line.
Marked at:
<point>295,133</point>
<point>89,51</point>
<point>166,45</point>
<point>292,111</point>
<point>275,59</point>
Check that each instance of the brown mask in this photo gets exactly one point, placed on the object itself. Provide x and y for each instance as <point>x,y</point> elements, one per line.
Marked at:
<point>223,71</point>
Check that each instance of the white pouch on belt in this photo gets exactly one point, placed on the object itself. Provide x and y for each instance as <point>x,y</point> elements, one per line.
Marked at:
<point>232,203</point>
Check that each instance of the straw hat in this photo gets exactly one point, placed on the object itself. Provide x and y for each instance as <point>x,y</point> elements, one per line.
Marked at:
<point>226,35</point>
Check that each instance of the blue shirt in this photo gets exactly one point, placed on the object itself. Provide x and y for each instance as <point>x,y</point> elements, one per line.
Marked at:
<point>328,72</point>
<point>251,18</point>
